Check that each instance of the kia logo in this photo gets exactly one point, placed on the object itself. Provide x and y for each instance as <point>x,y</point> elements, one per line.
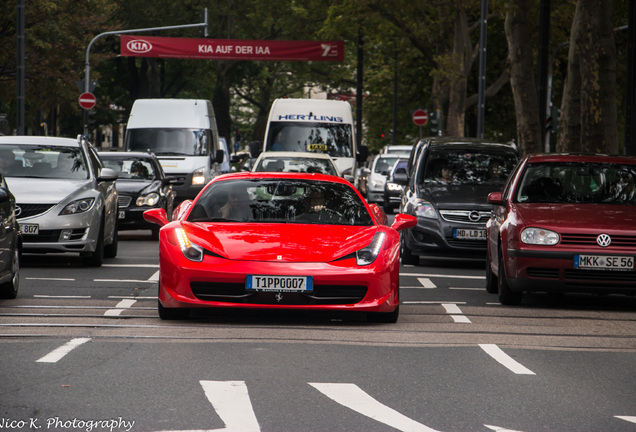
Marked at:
<point>139,46</point>
<point>603,240</point>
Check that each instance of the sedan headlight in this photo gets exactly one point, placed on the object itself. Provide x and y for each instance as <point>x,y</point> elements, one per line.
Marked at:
<point>78,206</point>
<point>368,254</point>
<point>539,236</point>
<point>198,176</point>
<point>191,251</point>
<point>148,200</point>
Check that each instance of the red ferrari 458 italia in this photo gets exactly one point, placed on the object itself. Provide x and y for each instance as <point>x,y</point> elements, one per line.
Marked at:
<point>279,241</point>
<point>564,223</point>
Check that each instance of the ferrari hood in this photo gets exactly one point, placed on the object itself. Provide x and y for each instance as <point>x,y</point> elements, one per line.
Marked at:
<point>280,242</point>
<point>45,191</point>
<point>578,217</point>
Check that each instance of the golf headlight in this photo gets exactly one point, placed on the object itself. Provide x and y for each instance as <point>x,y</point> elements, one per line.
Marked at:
<point>539,236</point>
<point>368,254</point>
<point>148,200</point>
<point>190,250</point>
<point>78,206</point>
<point>198,176</point>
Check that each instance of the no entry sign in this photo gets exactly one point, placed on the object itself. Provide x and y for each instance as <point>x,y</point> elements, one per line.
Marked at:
<point>420,117</point>
<point>87,100</point>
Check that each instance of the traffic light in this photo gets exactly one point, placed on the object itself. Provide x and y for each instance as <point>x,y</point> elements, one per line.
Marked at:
<point>433,122</point>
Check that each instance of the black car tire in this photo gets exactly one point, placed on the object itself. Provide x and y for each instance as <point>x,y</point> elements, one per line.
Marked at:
<point>9,290</point>
<point>384,317</point>
<point>507,296</point>
<point>96,258</point>
<point>110,251</point>
<point>172,313</point>
<point>406,254</point>
<point>154,232</point>
<point>491,279</point>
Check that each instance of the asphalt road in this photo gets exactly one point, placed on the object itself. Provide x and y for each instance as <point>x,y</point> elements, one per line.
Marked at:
<point>82,349</point>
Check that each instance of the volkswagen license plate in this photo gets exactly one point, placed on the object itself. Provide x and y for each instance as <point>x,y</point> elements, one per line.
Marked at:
<point>469,234</point>
<point>604,262</point>
<point>279,283</point>
<point>29,229</point>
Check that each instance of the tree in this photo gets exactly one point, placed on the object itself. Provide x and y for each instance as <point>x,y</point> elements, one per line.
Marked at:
<point>588,113</point>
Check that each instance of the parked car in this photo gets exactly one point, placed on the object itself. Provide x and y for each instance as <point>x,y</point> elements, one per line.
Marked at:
<point>66,198</point>
<point>380,169</point>
<point>398,150</point>
<point>141,185</point>
<point>305,162</point>
<point>447,192</point>
<point>392,190</point>
<point>275,240</point>
<point>10,242</point>
<point>564,223</point>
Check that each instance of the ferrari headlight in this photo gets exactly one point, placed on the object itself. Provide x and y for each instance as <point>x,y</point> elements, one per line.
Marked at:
<point>78,206</point>
<point>190,250</point>
<point>198,176</point>
<point>148,200</point>
<point>539,236</point>
<point>368,254</point>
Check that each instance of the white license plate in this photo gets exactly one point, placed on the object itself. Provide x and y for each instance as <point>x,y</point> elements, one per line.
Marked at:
<point>469,234</point>
<point>29,229</point>
<point>122,214</point>
<point>604,262</point>
<point>279,283</point>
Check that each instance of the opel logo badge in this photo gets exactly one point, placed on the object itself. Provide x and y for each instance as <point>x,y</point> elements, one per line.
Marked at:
<point>603,240</point>
<point>18,210</point>
<point>474,216</point>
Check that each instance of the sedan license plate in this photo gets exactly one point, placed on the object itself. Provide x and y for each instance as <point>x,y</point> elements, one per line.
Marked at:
<point>604,262</point>
<point>29,229</point>
<point>279,283</point>
<point>122,214</point>
<point>469,234</point>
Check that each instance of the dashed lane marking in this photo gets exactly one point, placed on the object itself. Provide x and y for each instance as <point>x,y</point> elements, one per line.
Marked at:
<point>57,354</point>
<point>495,352</point>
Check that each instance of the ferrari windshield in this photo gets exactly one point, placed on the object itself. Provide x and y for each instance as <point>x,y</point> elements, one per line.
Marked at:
<point>280,201</point>
<point>578,182</point>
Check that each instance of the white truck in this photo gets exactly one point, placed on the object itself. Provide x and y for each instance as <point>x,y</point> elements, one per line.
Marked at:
<point>315,125</point>
<point>182,133</point>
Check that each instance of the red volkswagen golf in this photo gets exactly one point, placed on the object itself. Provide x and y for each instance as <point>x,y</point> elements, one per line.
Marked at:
<point>564,223</point>
<point>279,241</point>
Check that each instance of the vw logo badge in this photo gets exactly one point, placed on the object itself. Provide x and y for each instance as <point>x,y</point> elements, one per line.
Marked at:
<point>18,210</point>
<point>474,216</point>
<point>603,240</point>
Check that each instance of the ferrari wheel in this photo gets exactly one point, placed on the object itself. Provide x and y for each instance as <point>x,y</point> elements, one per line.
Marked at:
<point>384,317</point>
<point>172,313</point>
<point>507,296</point>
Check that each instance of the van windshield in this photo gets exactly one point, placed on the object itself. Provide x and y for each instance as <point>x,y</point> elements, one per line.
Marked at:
<point>165,141</point>
<point>330,138</point>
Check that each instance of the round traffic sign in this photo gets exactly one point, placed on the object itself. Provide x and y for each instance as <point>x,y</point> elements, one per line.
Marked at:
<point>420,117</point>
<point>87,100</point>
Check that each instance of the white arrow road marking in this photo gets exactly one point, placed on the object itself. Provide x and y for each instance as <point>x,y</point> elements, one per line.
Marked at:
<point>232,403</point>
<point>631,419</point>
<point>60,352</point>
<point>456,313</point>
<point>351,396</point>
<point>495,352</point>
<point>500,429</point>
<point>119,308</point>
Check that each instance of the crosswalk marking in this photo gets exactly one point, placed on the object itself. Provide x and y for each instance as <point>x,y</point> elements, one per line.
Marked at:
<point>351,396</point>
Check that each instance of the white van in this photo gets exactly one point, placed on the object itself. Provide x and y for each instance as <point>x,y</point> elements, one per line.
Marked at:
<point>315,125</point>
<point>182,133</point>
